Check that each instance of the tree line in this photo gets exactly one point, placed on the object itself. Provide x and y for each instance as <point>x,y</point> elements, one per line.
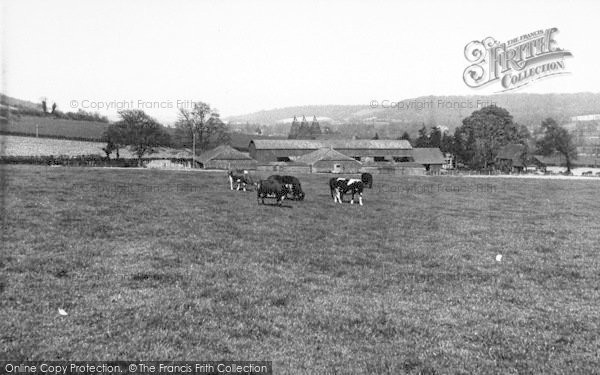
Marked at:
<point>199,129</point>
<point>477,141</point>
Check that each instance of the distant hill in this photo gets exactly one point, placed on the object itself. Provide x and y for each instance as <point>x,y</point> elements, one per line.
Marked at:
<point>449,111</point>
<point>6,100</point>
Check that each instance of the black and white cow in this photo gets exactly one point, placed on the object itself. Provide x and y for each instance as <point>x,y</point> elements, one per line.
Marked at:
<point>242,180</point>
<point>292,183</point>
<point>270,189</point>
<point>367,180</point>
<point>341,186</point>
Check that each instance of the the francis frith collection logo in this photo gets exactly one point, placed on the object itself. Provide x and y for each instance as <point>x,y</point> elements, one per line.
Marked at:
<point>514,63</point>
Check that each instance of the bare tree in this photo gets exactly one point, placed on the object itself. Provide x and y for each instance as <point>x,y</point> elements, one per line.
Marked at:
<point>141,132</point>
<point>200,128</point>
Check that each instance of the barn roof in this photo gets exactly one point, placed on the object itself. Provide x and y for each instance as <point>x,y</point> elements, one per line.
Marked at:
<point>385,144</point>
<point>240,141</point>
<point>223,152</point>
<point>324,154</point>
<point>166,153</point>
<point>428,156</point>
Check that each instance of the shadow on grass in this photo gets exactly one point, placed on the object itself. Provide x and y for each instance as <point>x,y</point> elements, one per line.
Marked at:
<point>274,205</point>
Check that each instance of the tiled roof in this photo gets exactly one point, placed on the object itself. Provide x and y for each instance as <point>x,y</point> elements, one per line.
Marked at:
<point>223,152</point>
<point>428,156</point>
<point>272,144</point>
<point>323,154</point>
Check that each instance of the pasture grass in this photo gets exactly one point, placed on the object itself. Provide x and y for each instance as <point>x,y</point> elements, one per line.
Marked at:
<point>167,265</point>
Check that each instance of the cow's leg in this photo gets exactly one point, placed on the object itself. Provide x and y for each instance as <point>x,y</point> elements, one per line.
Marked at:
<point>360,199</point>
<point>338,195</point>
<point>231,182</point>
<point>244,185</point>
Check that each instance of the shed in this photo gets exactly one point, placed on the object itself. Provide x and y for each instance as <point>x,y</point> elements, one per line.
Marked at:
<point>328,160</point>
<point>165,158</point>
<point>511,158</point>
<point>226,157</point>
<point>430,158</point>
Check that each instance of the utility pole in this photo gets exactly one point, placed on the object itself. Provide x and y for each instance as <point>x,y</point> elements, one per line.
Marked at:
<point>193,148</point>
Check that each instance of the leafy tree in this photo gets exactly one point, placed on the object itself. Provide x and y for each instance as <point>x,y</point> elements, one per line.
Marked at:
<point>141,132</point>
<point>557,139</point>
<point>114,140</point>
<point>423,138</point>
<point>483,133</point>
<point>406,136</point>
<point>435,137</point>
<point>447,143</point>
<point>202,123</point>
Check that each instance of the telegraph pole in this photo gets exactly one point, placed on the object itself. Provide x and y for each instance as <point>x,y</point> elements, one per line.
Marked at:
<point>193,148</point>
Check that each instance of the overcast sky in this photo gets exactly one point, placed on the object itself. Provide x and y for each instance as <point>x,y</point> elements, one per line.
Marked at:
<point>245,56</point>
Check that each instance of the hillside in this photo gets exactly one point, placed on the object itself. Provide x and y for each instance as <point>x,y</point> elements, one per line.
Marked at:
<point>55,128</point>
<point>6,100</point>
<point>527,109</point>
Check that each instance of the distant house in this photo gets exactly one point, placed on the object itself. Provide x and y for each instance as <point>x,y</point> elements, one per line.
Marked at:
<point>225,157</point>
<point>430,158</point>
<point>329,160</point>
<point>448,161</point>
<point>511,158</point>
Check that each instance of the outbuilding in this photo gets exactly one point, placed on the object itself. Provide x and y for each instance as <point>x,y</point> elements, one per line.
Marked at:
<point>431,159</point>
<point>329,160</point>
<point>225,157</point>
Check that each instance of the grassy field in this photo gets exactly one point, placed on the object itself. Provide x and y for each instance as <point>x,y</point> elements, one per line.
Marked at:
<point>49,126</point>
<point>161,265</point>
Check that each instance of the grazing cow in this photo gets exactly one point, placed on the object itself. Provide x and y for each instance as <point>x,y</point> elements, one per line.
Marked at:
<point>270,189</point>
<point>341,186</point>
<point>367,180</point>
<point>588,173</point>
<point>292,184</point>
<point>241,180</point>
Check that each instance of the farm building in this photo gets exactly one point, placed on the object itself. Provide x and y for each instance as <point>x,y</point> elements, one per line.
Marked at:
<point>512,158</point>
<point>363,150</point>
<point>240,141</point>
<point>284,167</point>
<point>430,158</point>
<point>166,158</point>
<point>225,157</point>
<point>329,160</point>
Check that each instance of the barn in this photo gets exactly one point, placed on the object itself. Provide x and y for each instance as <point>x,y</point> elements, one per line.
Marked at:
<point>430,158</point>
<point>363,150</point>
<point>511,158</point>
<point>225,157</point>
<point>328,160</point>
<point>167,158</point>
